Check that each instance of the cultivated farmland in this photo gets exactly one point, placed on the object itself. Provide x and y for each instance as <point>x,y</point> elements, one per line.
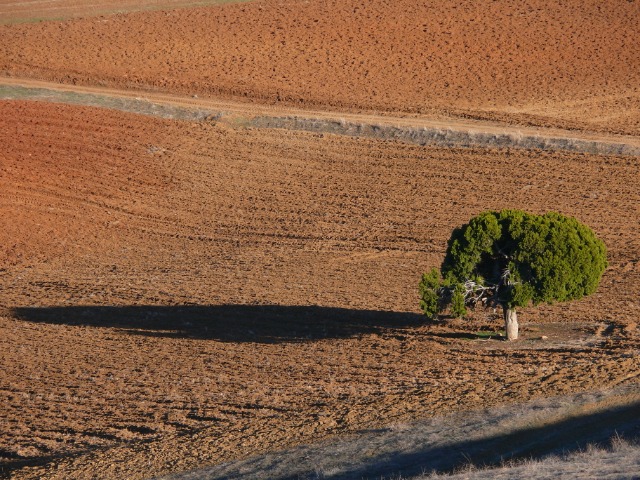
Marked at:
<point>211,285</point>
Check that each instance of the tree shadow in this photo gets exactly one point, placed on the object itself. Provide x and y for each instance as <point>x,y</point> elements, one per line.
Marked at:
<point>230,323</point>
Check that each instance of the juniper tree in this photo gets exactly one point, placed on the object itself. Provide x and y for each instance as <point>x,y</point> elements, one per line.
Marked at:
<point>510,259</point>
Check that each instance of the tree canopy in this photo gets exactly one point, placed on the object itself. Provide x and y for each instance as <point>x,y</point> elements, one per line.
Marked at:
<point>511,258</point>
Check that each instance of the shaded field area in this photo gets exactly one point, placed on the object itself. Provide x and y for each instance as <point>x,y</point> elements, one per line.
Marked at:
<point>228,323</point>
<point>570,65</point>
<point>177,294</point>
<point>618,461</point>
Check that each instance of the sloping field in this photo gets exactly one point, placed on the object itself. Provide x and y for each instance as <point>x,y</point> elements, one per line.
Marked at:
<point>570,64</point>
<point>181,293</point>
<point>176,294</point>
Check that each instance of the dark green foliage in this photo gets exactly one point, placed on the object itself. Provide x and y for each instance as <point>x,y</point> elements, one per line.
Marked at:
<point>512,258</point>
<point>458,307</point>
<point>429,287</point>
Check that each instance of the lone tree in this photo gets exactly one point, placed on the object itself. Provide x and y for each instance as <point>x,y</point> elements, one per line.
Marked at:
<point>511,258</point>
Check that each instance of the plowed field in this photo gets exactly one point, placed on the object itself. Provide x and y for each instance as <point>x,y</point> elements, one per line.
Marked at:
<point>175,294</point>
<point>572,64</point>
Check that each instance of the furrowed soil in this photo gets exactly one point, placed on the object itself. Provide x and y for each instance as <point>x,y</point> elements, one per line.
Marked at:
<point>175,294</point>
<point>572,64</point>
<point>180,293</point>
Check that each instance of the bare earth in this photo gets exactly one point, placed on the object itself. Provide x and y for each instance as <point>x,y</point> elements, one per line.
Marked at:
<point>175,294</point>
<point>571,64</point>
<point>257,288</point>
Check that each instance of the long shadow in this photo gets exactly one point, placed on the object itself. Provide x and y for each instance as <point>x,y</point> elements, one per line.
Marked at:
<point>564,437</point>
<point>232,323</point>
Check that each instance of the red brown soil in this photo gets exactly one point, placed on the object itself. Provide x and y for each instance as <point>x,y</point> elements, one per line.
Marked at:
<point>570,64</point>
<point>179,294</point>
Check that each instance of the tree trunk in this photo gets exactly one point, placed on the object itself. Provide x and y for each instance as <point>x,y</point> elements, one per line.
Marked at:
<point>510,323</point>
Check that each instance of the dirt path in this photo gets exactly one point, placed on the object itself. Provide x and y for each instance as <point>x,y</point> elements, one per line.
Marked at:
<point>414,128</point>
